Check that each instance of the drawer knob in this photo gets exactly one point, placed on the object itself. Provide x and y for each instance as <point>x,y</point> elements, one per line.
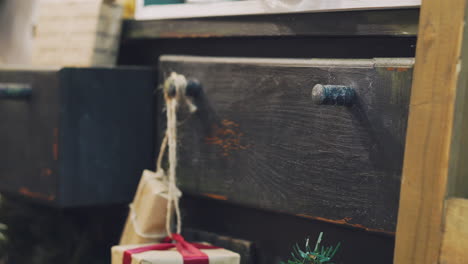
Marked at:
<point>333,94</point>
<point>15,90</point>
<point>192,87</point>
<point>178,87</point>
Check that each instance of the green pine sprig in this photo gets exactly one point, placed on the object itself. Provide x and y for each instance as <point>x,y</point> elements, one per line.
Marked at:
<point>320,254</point>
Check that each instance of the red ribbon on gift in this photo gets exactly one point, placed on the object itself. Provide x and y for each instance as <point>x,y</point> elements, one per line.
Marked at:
<point>190,252</point>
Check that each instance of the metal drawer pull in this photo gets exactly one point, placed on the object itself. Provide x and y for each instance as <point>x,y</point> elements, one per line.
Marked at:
<point>333,94</point>
<point>193,87</point>
<point>15,90</point>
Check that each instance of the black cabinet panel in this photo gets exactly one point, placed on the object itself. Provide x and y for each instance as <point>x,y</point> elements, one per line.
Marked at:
<point>82,137</point>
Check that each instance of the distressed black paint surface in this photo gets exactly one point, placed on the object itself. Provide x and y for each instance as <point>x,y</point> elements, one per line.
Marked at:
<point>259,140</point>
<point>28,127</point>
<point>82,138</point>
<point>107,133</point>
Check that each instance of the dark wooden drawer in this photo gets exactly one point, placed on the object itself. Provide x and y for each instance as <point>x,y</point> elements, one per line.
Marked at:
<point>82,137</point>
<point>259,139</point>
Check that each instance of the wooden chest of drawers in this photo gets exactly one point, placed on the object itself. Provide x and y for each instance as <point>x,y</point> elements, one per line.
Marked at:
<point>262,139</point>
<point>75,136</point>
<point>270,184</point>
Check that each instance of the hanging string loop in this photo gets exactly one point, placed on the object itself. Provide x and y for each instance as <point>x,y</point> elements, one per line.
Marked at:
<point>175,94</point>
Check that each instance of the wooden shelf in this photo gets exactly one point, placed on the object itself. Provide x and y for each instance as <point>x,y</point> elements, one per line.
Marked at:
<point>401,22</point>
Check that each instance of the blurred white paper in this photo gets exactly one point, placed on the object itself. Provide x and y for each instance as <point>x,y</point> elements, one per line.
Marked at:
<point>316,5</point>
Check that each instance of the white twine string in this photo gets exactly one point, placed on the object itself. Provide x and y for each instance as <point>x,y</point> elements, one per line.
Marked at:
<point>171,104</point>
<point>178,82</point>
<point>162,150</point>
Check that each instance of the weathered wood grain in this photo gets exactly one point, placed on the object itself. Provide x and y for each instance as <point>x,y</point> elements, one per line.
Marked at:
<point>259,140</point>
<point>455,232</point>
<point>402,22</point>
<point>457,185</point>
<point>434,131</point>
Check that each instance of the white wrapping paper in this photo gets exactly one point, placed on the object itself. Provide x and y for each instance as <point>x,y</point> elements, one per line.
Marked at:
<point>216,256</point>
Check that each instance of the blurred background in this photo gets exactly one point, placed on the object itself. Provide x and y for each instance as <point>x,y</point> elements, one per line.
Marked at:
<point>17,20</point>
<point>73,211</point>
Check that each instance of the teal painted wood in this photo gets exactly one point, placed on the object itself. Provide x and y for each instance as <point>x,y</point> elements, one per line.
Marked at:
<point>9,90</point>
<point>162,2</point>
<point>333,94</point>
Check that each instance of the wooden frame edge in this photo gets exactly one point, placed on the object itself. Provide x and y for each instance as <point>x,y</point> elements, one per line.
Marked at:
<point>434,131</point>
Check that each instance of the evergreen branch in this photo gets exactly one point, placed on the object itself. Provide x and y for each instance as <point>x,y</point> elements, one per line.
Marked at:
<point>320,254</point>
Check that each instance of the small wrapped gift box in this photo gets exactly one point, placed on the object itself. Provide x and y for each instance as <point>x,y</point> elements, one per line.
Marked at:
<point>146,221</point>
<point>179,252</point>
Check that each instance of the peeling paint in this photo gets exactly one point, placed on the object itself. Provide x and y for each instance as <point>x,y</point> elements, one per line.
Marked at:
<point>227,136</point>
<point>215,196</point>
<point>345,221</point>
<point>398,69</point>
<point>45,172</point>
<point>26,192</point>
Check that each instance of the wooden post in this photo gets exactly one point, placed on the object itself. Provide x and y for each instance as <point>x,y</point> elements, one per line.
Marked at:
<point>436,147</point>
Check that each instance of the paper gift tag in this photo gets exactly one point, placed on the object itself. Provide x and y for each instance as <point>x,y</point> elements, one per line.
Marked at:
<point>146,222</point>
